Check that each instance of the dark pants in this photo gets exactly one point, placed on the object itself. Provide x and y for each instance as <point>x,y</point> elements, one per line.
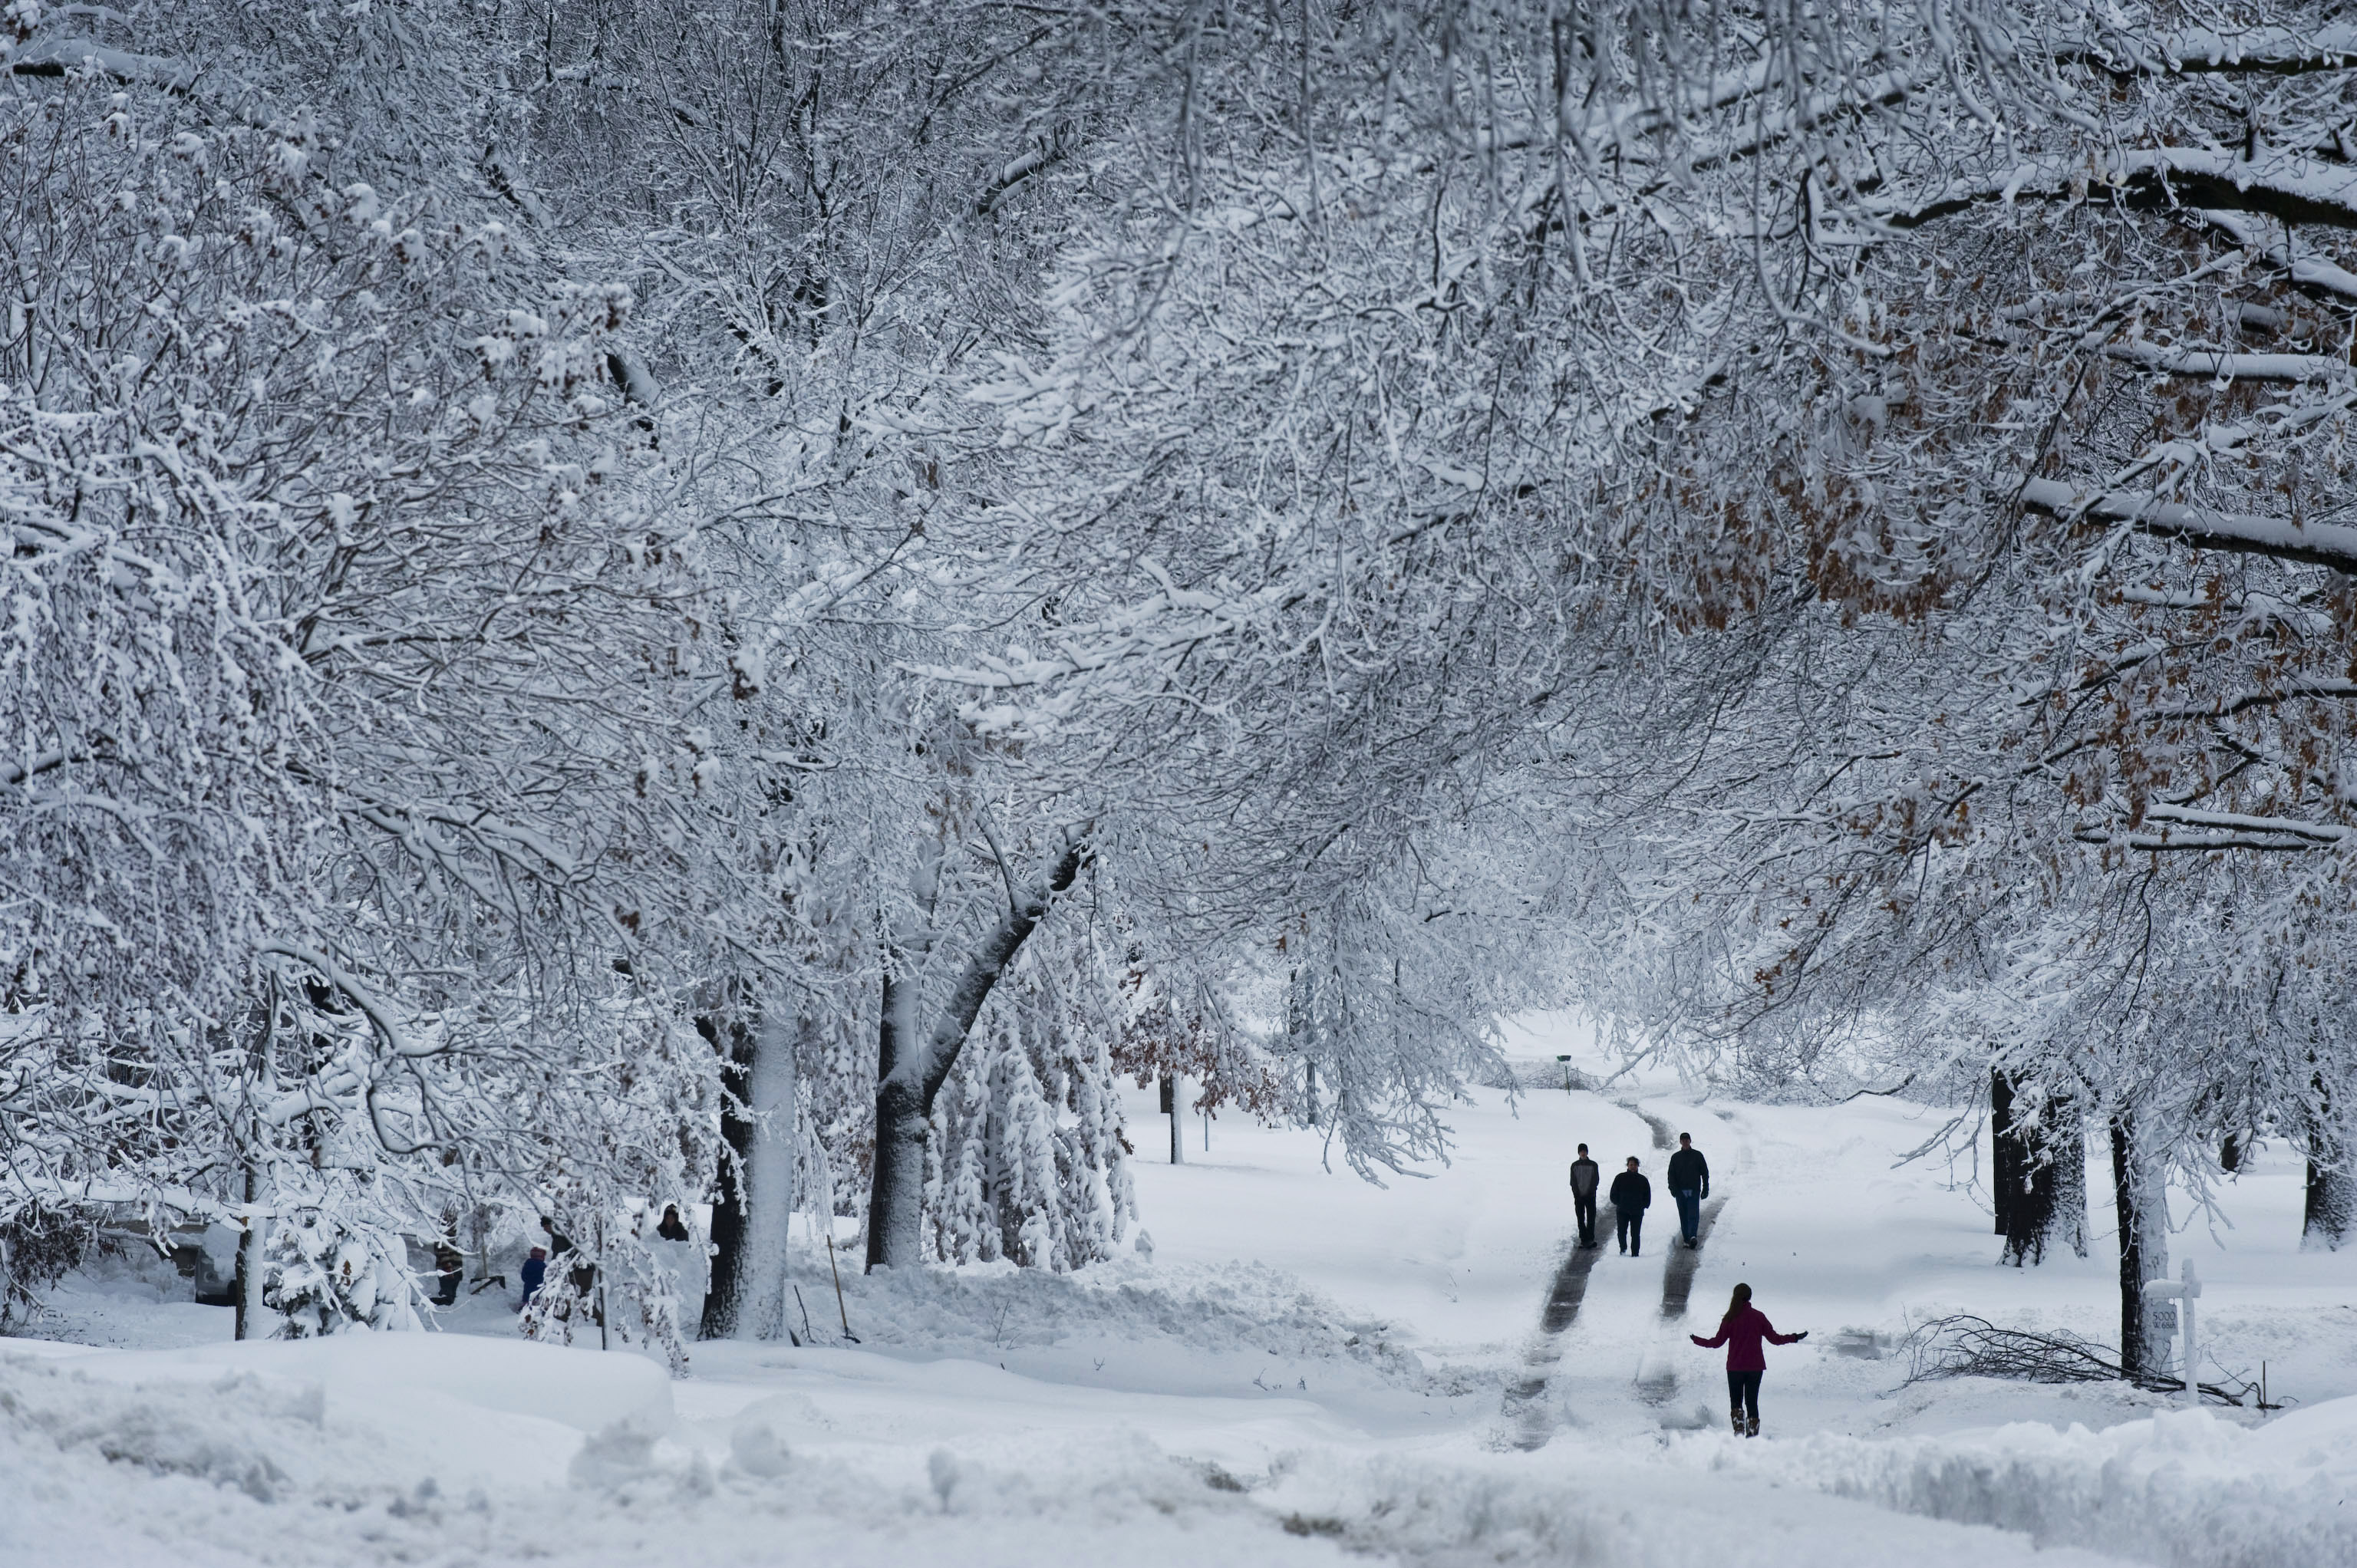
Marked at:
<point>1583,1210</point>
<point>1743,1392</point>
<point>1689,1212</point>
<point>1632,1220</point>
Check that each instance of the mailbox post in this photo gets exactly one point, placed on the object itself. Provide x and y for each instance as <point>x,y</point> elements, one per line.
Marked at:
<point>2184,1291</point>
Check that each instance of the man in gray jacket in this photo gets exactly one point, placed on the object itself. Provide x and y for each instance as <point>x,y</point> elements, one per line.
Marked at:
<point>1584,1177</point>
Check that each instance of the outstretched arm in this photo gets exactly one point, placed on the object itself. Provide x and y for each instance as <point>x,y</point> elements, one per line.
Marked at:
<point>1714,1342</point>
<point>1775,1338</point>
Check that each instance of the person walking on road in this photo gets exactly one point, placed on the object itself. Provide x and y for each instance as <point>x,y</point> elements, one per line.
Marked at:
<point>1742,1331</point>
<point>1631,1196</point>
<point>1689,1184</point>
<point>1584,1177</point>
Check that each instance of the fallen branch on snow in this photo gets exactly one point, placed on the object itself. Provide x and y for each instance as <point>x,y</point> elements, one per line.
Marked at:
<point>1963,1345</point>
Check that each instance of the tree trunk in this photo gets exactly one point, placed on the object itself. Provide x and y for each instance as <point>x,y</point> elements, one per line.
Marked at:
<point>2007,1156</point>
<point>896,1210</point>
<point>746,1299</point>
<point>909,1073</point>
<point>2332,1206</point>
<point>2048,1202</point>
<point>1170,1109</point>
<point>2330,1212</point>
<point>249,1261</point>
<point>729,1207</point>
<point>2147,1326</point>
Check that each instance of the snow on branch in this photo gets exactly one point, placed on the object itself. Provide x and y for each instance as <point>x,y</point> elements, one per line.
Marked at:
<point>55,57</point>
<point>2285,183</point>
<point>2315,544</point>
<point>2217,364</point>
<point>2283,49</point>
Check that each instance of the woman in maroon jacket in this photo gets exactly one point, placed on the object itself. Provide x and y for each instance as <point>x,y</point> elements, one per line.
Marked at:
<point>1741,1331</point>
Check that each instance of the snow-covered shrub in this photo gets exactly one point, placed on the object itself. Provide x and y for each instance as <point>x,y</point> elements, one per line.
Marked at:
<point>646,1286</point>
<point>39,1244</point>
<point>322,1276</point>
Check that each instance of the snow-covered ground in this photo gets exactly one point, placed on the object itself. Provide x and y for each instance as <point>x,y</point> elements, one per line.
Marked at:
<point>1307,1367</point>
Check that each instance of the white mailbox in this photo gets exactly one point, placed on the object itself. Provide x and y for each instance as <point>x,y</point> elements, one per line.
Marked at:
<point>2184,1291</point>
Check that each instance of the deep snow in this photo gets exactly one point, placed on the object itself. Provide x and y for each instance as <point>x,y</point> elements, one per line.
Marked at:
<point>1306,1368</point>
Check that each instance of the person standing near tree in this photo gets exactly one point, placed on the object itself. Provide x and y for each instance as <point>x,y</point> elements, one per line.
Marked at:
<point>535,1271</point>
<point>1631,1196</point>
<point>1584,1179</point>
<point>1689,1184</point>
<point>1743,1331</point>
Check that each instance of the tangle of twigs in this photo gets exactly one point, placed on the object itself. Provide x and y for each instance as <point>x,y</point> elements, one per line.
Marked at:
<point>1964,1346</point>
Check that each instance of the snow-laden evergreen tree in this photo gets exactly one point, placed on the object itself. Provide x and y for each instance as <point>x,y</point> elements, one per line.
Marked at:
<point>325,1274</point>
<point>1027,1159</point>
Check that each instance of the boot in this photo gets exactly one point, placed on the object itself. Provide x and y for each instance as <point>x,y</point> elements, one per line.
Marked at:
<point>1738,1417</point>
<point>1751,1427</point>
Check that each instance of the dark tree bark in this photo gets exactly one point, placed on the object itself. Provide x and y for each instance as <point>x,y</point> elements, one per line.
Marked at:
<point>2331,1205</point>
<point>249,1260</point>
<point>2007,1156</point>
<point>731,1205</point>
<point>1170,1109</point>
<point>910,1072</point>
<point>2142,1205</point>
<point>2040,1161</point>
<point>901,1112</point>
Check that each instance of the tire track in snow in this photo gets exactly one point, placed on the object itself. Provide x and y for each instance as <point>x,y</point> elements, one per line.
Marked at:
<point>1528,1420</point>
<point>1657,1379</point>
<point>1524,1409</point>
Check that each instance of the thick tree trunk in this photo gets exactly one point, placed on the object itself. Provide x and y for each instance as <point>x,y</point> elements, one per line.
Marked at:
<point>1170,1109</point>
<point>2147,1326</point>
<point>746,1296</point>
<point>2332,1198</point>
<point>899,1162</point>
<point>2049,1200</point>
<point>249,1262</point>
<point>910,1072</point>
<point>729,1205</point>
<point>2007,1156</point>
<point>896,1211</point>
<point>2332,1207</point>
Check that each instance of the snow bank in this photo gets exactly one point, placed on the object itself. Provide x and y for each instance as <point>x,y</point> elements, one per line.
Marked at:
<point>585,1390</point>
<point>2185,1487</point>
<point>1595,1501</point>
<point>354,1417</point>
<point>997,1306</point>
<point>246,1470</point>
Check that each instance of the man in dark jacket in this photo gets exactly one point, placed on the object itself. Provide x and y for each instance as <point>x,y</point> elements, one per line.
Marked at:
<point>1584,1177</point>
<point>1689,1184</point>
<point>1631,1196</point>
